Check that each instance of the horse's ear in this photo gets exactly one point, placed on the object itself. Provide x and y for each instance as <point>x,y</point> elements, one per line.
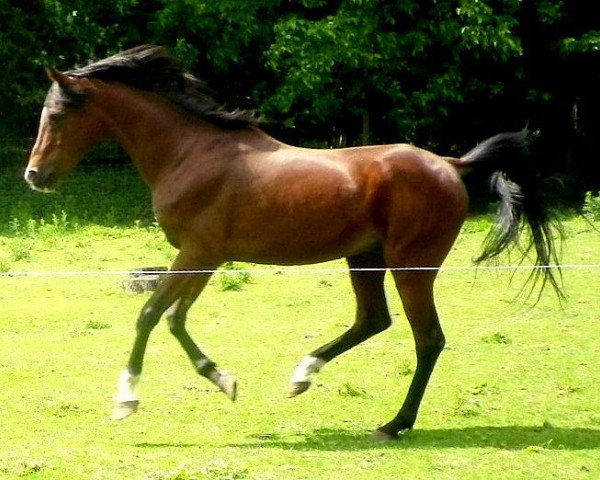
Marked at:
<point>64,80</point>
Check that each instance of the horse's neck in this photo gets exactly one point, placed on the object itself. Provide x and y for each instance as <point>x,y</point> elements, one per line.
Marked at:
<point>148,127</point>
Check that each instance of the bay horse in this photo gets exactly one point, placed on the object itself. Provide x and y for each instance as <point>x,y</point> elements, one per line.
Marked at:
<point>223,190</point>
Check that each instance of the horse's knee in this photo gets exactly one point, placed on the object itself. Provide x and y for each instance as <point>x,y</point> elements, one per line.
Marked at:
<point>372,321</point>
<point>431,346</point>
<point>175,322</point>
<point>148,319</point>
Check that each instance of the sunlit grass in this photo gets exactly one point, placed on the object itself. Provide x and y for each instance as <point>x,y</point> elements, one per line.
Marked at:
<point>515,394</point>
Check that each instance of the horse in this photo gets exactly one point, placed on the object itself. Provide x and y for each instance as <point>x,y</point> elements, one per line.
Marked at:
<point>224,190</point>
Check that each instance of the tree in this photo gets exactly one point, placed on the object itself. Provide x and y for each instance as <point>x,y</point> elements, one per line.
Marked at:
<point>562,72</point>
<point>384,70</point>
<point>64,33</point>
<point>439,73</point>
<point>222,42</point>
<point>17,88</point>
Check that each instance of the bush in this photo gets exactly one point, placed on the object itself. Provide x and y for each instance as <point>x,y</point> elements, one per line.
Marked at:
<point>591,206</point>
<point>236,276</point>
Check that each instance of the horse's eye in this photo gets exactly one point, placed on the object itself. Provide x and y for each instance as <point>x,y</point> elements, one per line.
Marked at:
<point>55,118</point>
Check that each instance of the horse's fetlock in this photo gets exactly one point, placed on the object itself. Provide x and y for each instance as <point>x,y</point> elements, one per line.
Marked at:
<point>205,367</point>
<point>432,349</point>
<point>308,366</point>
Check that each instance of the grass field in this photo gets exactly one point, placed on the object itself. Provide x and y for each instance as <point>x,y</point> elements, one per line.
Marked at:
<point>515,394</point>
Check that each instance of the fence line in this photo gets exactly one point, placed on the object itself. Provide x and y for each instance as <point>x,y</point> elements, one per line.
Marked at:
<point>288,271</point>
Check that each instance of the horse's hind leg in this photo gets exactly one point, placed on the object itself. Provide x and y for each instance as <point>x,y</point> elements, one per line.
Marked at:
<point>372,317</point>
<point>416,292</point>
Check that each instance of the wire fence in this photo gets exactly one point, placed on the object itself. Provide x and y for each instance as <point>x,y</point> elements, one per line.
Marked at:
<point>290,271</point>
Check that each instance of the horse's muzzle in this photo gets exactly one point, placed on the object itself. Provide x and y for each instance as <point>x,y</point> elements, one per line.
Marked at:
<point>43,180</point>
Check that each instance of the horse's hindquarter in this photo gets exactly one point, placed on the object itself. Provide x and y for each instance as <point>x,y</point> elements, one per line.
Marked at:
<point>423,205</point>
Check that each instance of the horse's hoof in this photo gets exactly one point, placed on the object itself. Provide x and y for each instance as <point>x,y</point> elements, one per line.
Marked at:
<point>125,409</point>
<point>380,436</point>
<point>228,385</point>
<point>296,388</point>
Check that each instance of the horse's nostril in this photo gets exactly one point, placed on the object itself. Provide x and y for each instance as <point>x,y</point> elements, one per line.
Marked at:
<point>31,174</point>
<point>42,179</point>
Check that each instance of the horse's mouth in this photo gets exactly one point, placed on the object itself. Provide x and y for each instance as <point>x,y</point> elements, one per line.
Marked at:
<point>41,181</point>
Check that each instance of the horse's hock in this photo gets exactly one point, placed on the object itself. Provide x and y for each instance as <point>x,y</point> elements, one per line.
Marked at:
<point>143,279</point>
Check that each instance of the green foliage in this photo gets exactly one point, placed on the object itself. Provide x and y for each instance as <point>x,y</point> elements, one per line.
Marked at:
<point>37,34</point>
<point>18,87</point>
<point>97,325</point>
<point>490,33</point>
<point>213,471</point>
<point>107,23</point>
<point>233,277</point>
<point>367,61</point>
<point>498,338</point>
<point>588,42</point>
<point>218,31</point>
<point>349,390</point>
<point>549,11</point>
<point>441,74</point>
<point>591,207</point>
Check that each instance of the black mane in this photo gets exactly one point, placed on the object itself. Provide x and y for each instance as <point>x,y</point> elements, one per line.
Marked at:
<point>151,68</point>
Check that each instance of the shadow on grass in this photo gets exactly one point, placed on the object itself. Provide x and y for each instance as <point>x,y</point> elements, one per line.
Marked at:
<point>505,438</point>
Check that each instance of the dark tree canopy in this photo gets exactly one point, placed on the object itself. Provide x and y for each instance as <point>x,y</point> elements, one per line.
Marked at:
<point>442,74</point>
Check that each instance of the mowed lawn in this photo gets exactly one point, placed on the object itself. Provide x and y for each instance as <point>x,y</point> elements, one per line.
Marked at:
<point>516,393</point>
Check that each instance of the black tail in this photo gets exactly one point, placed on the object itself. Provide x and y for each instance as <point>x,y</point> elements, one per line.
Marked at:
<point>503,160</point>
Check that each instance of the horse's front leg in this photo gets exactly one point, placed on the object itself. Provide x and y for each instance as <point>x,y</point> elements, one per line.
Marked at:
<point>176,317</point>
<point>171,289</point>
<point>167,292</point>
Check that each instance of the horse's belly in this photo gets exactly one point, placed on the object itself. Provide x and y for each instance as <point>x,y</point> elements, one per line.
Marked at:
<point>291,243</point>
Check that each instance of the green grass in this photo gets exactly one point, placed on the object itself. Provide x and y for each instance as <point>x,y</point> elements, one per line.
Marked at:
<point>93,194</point>
<point>515,393</point>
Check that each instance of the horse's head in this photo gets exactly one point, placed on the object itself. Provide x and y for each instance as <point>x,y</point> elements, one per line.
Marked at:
<point>68,129</point>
